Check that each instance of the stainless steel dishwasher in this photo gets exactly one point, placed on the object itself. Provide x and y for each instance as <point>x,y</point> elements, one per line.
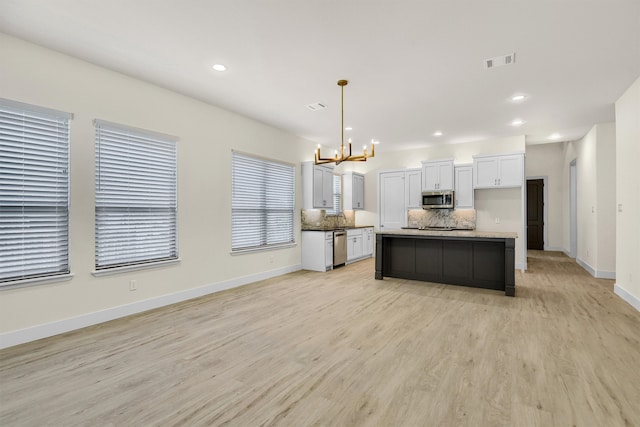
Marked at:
<point>339,247</point>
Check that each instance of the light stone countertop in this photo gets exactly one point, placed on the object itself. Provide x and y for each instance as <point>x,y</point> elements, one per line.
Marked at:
<point>452,233</point>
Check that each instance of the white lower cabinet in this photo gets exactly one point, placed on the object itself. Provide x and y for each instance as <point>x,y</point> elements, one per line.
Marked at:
<point>317,250</point>
<point>367,237</point>
<point>359,244</point>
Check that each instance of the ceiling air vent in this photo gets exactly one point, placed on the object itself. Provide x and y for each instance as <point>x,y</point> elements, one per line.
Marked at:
<point>499,61</point>
<point>316,106</point>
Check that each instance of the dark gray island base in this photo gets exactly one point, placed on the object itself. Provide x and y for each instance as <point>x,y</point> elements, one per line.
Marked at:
<point>468,258</point>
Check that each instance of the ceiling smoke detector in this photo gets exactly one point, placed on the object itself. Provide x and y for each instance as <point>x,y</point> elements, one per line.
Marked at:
<point>499,61</point>
<point>316,106</point>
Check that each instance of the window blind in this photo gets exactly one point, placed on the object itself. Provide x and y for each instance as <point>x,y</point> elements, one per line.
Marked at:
<point>337,195</point>
<point>34,192</point>
<point>136,196</point>
<point>263,202</point>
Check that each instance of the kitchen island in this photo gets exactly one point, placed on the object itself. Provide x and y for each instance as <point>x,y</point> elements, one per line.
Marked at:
<point>458,257</point>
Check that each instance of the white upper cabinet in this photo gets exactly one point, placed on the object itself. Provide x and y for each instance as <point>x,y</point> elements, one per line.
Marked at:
<point>353,191</point>
<point>437,175</point>
<point>413,188</point>
<point>463,192</point>
<point>317,186</point>
<point>498,171</point>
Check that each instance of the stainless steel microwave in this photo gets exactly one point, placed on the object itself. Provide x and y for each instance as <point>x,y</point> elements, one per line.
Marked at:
<point>437,200</point>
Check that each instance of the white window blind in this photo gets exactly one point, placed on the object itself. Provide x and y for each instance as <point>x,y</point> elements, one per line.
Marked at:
<point>337,196</point>
<point>263,202</point>
<point>136,196</point>
<point>34,192</point>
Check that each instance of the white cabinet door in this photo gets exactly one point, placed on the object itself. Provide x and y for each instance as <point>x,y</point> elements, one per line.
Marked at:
<point>430,177</point>
<point>353,186</point>
<point>393,213</point>
<point>328,250</point>
<point>368,241</point>
<point>445,176</point>
<point>463,193</point>
<point>322,187</point>
<point>354,244</point>
<point>485,172</point>
<point>413,188</point>
<point>358,191</point>
<point>498,171</point>
<point>437,176</point>
<point>510,170</point>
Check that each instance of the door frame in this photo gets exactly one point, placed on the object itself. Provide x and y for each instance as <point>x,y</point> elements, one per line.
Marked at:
<point>545,236</point>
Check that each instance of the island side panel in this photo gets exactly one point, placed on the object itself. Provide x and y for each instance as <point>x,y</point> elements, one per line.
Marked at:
<point>510,267</point>
<point>379,256</point>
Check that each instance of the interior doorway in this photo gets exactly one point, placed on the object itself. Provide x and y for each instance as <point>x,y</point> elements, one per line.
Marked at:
<point>535,214</point>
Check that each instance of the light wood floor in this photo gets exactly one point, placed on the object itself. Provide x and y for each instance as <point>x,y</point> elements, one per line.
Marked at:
<point>342,349</point>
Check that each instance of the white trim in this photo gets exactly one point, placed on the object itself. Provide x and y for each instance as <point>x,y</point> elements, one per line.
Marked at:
<point>598,274</point>
<point>626,296</point>
<point>126,268</point>
<point>586,266</point>
<point>262,249</point>
<point>603,274</point>
<point>51,113</point>
<point>545,204</point>
<point>23,283</point>
<point>520,266</point>
<point>21,336</point>
<point>556,249</point>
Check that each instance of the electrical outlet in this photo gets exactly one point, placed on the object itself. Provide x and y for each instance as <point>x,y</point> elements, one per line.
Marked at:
<point>497,220</point>
<point>133,285</point>
<point>619,207</point>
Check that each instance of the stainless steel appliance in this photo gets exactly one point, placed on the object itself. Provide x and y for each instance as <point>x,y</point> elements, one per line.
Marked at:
<point>339,247</point>
<point>437,199</point>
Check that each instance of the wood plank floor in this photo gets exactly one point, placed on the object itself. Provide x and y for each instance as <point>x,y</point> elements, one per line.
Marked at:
<point>342,349</point>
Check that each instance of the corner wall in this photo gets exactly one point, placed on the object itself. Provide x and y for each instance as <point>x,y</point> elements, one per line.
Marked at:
<point>207,134</point>
<point>595,159</point>
<point>628,195</point>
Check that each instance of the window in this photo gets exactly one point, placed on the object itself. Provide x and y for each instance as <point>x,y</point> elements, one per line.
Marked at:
<point>34,192</point>
<point>337,196</point>
<point>136,197</point>
<point>263,203</point>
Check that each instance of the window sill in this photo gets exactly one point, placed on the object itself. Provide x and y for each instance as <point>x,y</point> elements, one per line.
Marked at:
<point>262,249</point>
<point>128,268</point>
<point>23,283</point>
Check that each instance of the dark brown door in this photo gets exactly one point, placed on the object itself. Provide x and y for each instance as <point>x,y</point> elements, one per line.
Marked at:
<point>535,214</point>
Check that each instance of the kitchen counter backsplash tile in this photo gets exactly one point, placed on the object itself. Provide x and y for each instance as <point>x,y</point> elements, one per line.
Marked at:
<point>318,218</point>
<point>463,219</point>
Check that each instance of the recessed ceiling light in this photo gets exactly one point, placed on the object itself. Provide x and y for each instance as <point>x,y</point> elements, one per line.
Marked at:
<point>517,122</point>
<point>219,67</point>
<point>437,133</point>
<point>555,136</point>
<point>348,128</point>
<point>518,98</point>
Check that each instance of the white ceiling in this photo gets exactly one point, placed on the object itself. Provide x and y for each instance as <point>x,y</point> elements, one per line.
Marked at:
<point>414,66</point>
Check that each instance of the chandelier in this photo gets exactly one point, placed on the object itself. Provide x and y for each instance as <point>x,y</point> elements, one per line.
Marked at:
<point>344,155</point>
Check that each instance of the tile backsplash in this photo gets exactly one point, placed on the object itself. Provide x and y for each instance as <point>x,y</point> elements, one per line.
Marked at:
<point>318,218</point>
<point>464,219</point>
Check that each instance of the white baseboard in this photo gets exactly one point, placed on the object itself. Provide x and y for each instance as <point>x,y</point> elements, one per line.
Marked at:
<point>555,248</point>
<point>625,295</point>
<point>599,274</point>
<point>21,336</point>
<point>586,266</point>
<point>603,274</point>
